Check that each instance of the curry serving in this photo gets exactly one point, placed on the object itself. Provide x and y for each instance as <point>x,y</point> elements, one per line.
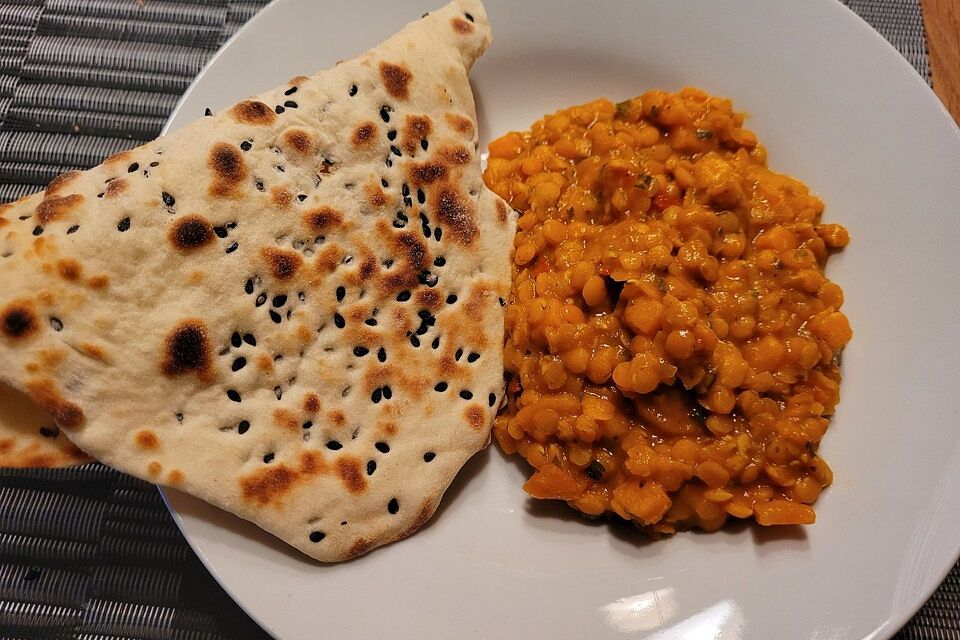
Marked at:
<point>671,338</point>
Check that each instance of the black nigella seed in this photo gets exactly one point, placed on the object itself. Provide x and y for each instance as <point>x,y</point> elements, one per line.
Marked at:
<point>421,196</point>
<point>399,224</point>
<point>246,145</point>
<point>376,396</point>
<point>231,225</point>
<point>437,233</point>
<point>385,113</point>
<point>403,296</point>
<point>178,416</point>
<point>248,287</point>
<point>317,536</point>
<point>154,164</point>
<point>168,199</point>
<point>302,197</point>
<point>258,184</point>
<point>503,302</point>
<point>57,324</point>
<point>393,506</point>
<point>290,104</point>
<point>275,317</point>
<point>395,151</point>
<point>279,168</point>
<point>382,447</point>
<point>439,261</point>
<point>333,445</point>
<point>221,232</point>
<point>371,467</point>
<point>360,351</point>
<point>49,432</point>
<point>236,340</point>
<point>308,424</point>
<point>492,400</point>
<point>339,321</point>
<point>301,296</point>
<point>440,386</point>
<point>428,456</point>
<point>250,339</point>
<point>277,391</point>
<point>267,459</point>
<point>473,357</point>
<point>422,329</point>
<point>134,167</point>
<point>405,189</point>
<point>392,135</point>
<point>233,394</point>
<point>423,314</point>
<point>207,112</point>
<point>424,144</point>
<point>279,109</point>
<point>458,355</point>
<point>389,162</point>
<point>383,181</point>
<point>124,225</point>
<point>451,298</point>
<point>466,395</point>
<point>238,364</point>
<point>341,293</point>
<point>243,426</point>
<point>232,248</point>
<point>415,341</point>
<point>353,90</point>
<point>280,300</point>
<point>382,354</point>
<point>73,229</point>
<point>387,392</point>
<point>436,342</point>
<point>468,17</point>
<point>290,91</point>
<point>427,278</point>
<point>595,470</point>
<point>261,299</point>
<point>370,322</point>
<point>37,230</point>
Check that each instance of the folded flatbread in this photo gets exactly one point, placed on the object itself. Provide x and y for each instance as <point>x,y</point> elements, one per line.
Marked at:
<point>29,437</point>
<point>291,308</point>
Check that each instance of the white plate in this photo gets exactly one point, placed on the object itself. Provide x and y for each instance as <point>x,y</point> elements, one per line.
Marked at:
<point>836,106</point>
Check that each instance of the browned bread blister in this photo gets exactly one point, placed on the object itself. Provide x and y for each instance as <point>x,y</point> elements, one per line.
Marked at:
<point>291,308</point>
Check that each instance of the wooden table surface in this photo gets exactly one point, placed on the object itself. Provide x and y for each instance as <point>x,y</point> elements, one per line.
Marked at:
<point>942,20</point>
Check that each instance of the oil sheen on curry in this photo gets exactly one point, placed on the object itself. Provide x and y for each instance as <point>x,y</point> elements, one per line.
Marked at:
<point>671,339</point>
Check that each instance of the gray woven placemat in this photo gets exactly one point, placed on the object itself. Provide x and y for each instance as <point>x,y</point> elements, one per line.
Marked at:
<point>89,553</point>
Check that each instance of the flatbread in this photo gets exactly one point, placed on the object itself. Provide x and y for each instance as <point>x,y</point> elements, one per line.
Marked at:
<point>29,437</point>
<point>292,308</point>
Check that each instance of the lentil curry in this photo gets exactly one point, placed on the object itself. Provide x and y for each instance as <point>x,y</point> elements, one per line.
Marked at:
<point>671,338</point>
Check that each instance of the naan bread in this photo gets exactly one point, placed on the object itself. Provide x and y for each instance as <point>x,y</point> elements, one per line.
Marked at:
<point>29,437</point>
<point>292,308</point>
